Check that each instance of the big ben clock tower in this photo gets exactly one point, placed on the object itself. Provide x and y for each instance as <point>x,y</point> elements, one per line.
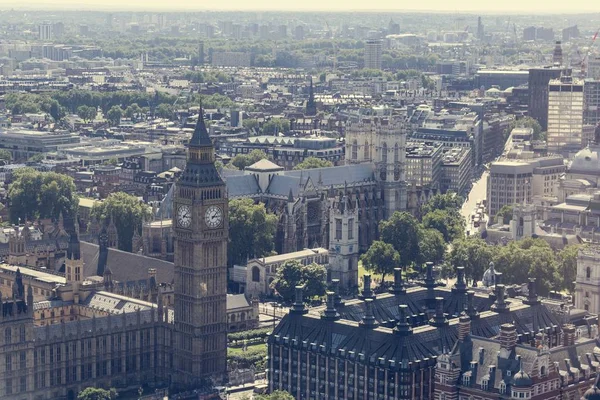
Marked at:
<point>200,223</point>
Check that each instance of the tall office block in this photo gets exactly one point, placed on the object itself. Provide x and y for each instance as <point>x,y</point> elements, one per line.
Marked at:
<point>565,114</point>
<point>373,49</point>
<point>538,93</point>
<point>45,31</point>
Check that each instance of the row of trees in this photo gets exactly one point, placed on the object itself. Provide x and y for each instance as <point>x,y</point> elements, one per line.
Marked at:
<point>114,105</point>
<point>407,242</point>
<point>518,261</point>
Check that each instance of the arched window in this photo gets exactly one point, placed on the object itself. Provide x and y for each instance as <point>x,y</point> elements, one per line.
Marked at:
<point>384,150</point>
<point>367,155</point>
<point>354,149</point>
<point>543,370</point>
<point>588,272</point>
<point>255,274</point>
<point>8,336</point>
<point>243,317</point>
<point>396,153</point>
<point>232,317</point>
<point>22,333</point>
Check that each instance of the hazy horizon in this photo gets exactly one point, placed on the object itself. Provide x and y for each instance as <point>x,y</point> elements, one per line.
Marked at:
<point>466,6</point>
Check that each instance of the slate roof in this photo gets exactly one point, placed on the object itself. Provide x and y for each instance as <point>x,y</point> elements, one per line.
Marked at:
<point>126,266</point>
<point>335,176</point>
<point>237,301</point>
<point>242,185</point>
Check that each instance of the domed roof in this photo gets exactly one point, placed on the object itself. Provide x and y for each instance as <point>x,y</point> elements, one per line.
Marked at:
<point>592,393</point>
<point>522,379</point>
<point>586,161</point>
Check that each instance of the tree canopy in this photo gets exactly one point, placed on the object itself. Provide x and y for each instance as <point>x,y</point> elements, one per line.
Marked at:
<point>242,161</point>
<point>127,213</point>
<point>402,232</point>
<point>34,194</point>
<point>275,126</point>
<point>114,115</point>
<point>92,393</point>
<point>450,224</point>
<point>86,113</point>
<point>528,122</point>
<point>567,266</point>
<point>505,214</point>
<point>292,273</point>
<point>314,162</point>
<point>381,258</point>
<point>251,231</point>
<point>473,254</point>
<point>276,395</point>
<point>5,155</point>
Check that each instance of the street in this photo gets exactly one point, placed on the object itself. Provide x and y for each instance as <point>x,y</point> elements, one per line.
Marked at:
<point>478,192</point>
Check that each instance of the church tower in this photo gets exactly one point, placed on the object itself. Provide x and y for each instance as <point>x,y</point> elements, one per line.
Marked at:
<point>200,224</point>
<point>311,106</point>
<point>343,241</point>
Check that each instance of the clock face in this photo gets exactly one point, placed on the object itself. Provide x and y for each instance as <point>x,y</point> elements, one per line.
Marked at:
<point>213,217</point>
<point>184,216</point>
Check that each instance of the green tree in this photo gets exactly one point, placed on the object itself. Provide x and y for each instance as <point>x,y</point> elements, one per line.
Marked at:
<point>34,194</point>
<point>528,122</point>
<point>164,111</point>
<point>473,254</point>
<point>431,245</point>
<point>381,258</point>
<point>92,393</point>
<point>127,213</point>
<point>86,113</point>
<point>114,115</point>
<point>36,158</point>
<point>449,202</point>
<point>276,395</point>
<point>313,162</point>
<point>292,273</point>
<point>242,161</point>
<point>5,155</point>
<point>275,126</point>
<point>251,231</point>
<point>505,214</point>
<point>528,258</point>
<point>251,124</point>
<point>567,266</point>
<point>450,225</point>
<point>402,232</point>
<point>133,112</point>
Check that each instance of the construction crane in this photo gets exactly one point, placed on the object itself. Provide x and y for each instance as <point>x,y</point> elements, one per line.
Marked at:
<point>584,59</point>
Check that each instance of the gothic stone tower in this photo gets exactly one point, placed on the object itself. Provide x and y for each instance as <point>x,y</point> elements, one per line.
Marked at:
<point>200,221</point>
<point>343,241</point>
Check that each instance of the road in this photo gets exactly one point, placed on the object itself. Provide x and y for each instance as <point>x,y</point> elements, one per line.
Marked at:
<point>478,192</point>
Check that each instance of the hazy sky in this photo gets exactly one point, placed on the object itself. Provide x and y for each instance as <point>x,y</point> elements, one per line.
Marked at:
<point>505,6</point>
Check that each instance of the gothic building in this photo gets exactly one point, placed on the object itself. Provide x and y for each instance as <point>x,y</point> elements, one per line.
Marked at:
<point>393,345</point>
<point>84,335</point>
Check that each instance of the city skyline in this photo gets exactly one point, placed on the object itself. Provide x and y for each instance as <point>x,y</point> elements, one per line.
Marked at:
<point>437,6</point>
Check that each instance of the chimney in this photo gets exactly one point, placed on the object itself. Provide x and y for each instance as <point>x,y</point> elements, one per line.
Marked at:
<point>532,298</point>
<point>335,287</point>
<point>471,310</point>
<point>429,281</point>
<point>403,327</point>
<point>498,279</point>
<point>464,327</point>
<point>439,318</point>
<point>508,337</point>
<point>298,306</point>
<point>367,293</point>
<point>500,305</point>
<point>151,273</point>
<point>539,340</point>
<point>568,335</point>
<point>368,320</point>
<point>398,288</point>
<point>330,311</point>
<point>460,285</point>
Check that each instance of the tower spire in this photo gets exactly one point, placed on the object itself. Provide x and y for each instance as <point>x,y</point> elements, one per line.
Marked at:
<point>200,136</point>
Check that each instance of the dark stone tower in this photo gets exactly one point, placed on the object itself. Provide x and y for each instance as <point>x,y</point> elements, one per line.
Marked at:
<point>200,222</point>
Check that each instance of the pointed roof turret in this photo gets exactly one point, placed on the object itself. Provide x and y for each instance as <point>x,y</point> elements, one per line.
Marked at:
<point>200,136</point>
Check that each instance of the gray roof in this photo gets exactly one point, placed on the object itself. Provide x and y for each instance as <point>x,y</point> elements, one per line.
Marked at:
<point>335,176</point>
<point>237,301</point>
<point>242,185</point>
<point>125,266</point>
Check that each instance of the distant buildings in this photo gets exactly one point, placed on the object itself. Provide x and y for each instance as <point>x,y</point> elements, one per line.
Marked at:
<point>45,31</point>
<point>538,92</point>
<point>565,114</point>
<point>456,170</point>
<point>538,33</point>
<point>231,59</point>
<point>569,33</point>
<point>373,50</point>
<point>502,78</point>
